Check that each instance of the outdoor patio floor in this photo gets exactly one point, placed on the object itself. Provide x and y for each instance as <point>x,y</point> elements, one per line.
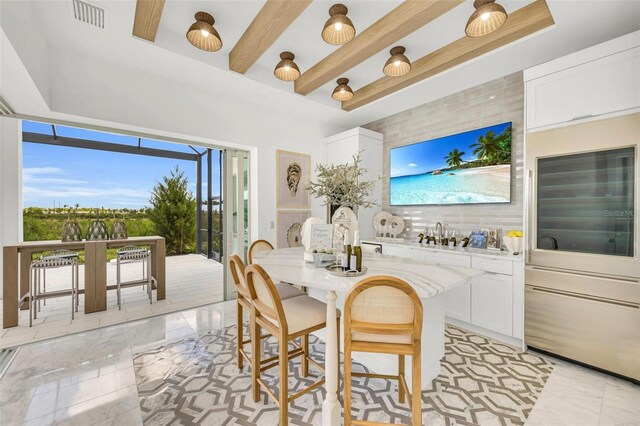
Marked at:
<point>192,280</point>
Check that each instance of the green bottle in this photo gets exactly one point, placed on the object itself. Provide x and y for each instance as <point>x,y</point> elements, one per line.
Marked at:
<point>357,251</point>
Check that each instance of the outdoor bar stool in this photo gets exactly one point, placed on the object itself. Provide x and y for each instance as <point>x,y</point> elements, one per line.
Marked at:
<point>34,283</point>
<point>57,254</point>
<point>383,314</point>
<point>244,301</point>
<point>132,254</point>
<point>286,320</point>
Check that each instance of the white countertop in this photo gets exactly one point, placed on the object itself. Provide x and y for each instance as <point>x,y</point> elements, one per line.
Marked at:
<point>410,243</point>
<point>428,280</point>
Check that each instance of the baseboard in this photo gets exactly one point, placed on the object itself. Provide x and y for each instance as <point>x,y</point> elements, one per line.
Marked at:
<point>513,341</point>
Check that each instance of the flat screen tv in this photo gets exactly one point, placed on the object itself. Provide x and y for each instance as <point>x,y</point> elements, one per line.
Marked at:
<point>467,168</point>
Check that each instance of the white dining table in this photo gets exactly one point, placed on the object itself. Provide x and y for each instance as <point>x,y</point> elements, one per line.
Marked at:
<point>430,282</point>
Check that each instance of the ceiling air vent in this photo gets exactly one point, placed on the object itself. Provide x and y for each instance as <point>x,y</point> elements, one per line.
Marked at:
<point>88,13</point>
<point>5,109</point>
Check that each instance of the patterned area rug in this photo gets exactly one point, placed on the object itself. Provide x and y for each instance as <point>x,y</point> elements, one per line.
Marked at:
<point>195,381</point>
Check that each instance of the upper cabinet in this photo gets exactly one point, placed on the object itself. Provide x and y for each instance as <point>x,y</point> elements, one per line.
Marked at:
<point>595,82</point>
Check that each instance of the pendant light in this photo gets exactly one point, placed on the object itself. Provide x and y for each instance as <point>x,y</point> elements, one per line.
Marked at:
<point>342,92</point>
<point>338,29</point>
<point>488,17</point>
<point>397,64</point>
<point>286,69</point>
<point>203,35</point>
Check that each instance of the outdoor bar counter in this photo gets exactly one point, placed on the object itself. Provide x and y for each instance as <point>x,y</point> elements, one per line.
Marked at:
<point>17,258</point>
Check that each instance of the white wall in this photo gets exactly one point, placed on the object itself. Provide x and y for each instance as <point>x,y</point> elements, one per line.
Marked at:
<point>10,183</point>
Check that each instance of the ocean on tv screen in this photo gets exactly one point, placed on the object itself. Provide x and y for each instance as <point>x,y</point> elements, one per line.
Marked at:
<point>467,168</point>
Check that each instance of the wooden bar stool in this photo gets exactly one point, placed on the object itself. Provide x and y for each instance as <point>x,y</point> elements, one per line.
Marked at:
<point>286,320</point>
<point>256,247</point>
<point>244,301</point>
<point>383,314</point>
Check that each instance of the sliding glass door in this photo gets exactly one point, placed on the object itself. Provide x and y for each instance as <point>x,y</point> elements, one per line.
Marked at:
<point>236,212</point>
<point>209,195</point>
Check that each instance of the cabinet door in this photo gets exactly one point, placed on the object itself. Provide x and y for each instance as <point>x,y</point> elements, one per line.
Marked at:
<point>594,88</point>
<point>457,302</point>
<point>404,252</point>
<point>492,302</point>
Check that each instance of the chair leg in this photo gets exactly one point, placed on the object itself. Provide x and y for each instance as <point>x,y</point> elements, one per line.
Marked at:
<point>31,279</point>
<point>73,293</point>
<point>118,284</point>
<point>305,354</point>
<point>239,326</point>
<point>77,286</point>
<point>44,287</point>
<point>35,291</point>
<point>416,387</point>
<point>149,285</point>
<point>283,396</point>
<point>347,382</point>
<point>400,374</point>
<point>255,358</point>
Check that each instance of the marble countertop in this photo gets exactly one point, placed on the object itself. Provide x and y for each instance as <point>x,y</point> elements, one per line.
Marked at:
<point>411,243</point>
<point>428,280</point>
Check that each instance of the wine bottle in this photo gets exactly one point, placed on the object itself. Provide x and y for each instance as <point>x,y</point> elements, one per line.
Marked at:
<point>346,261</point>
<point>453,238</point>
<point>445,239</point>
<point>357,251</point>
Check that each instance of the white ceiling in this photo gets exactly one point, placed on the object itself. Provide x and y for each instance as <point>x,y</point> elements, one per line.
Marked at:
<point>579,24</point>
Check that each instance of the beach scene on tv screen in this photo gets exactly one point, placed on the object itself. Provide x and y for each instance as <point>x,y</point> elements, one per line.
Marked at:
<point>467,168</point>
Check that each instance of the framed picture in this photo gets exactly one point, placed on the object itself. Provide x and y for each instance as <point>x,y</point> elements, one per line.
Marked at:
<point>290,227</point>
<point>493,239</point>
<point>478,239</point>
<point>292,176</point>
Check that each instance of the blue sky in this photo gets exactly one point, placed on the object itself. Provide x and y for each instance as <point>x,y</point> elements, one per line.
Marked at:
<point>98,178</point>
<point>429,155</point>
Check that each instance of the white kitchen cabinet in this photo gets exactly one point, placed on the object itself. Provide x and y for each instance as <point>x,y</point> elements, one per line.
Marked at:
<point>404,252</point>
<point>492,302</point>
<point>457,303</point>
<point>598,81</point>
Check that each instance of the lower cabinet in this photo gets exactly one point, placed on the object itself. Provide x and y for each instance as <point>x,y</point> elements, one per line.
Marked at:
<point>492,302</point>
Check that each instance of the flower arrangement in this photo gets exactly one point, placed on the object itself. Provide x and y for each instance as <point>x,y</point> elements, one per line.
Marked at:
<point>342,185</point>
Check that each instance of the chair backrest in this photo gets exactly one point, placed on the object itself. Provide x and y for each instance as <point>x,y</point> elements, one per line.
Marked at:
<point>383,305</point>
<point>266,298</point>
<point>258,246</point>
<point>236,265</point>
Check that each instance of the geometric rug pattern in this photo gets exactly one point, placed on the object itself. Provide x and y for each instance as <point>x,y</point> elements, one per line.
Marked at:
<point>195,381</point>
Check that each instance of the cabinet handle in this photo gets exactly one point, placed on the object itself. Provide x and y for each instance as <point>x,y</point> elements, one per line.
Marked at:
<point>580,117</point>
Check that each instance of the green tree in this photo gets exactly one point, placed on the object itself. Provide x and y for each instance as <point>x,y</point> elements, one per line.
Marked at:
<point>454,158</point>
<point>486,148</point>
<point>173,212</point>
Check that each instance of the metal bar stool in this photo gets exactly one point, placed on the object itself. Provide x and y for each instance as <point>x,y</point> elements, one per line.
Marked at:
<point>132,254</point>
<point>57,254</point>
<point>34,283</point>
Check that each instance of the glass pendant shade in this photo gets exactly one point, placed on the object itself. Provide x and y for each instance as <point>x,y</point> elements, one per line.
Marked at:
<point>286,69</point>
<point>338,29</point>
<point>487,18</point>
<point>342,92</point>
<point>203,35</point>
<point>397,64</point>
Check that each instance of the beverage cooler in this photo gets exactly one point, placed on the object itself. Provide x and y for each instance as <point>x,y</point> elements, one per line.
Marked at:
<point>582,278</point>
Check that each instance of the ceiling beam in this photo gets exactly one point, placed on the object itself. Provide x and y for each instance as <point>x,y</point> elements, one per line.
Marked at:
<point>269,24</point>
<point>395,25</point>
<point>147,20</point>
<point>521,23</point>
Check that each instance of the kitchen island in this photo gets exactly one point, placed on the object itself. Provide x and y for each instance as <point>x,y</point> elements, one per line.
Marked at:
<point>430,282</point>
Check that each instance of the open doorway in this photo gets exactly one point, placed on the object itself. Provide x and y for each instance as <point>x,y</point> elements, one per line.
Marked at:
<point>85,176</point>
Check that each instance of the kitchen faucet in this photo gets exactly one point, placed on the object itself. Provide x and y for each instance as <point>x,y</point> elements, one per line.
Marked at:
<point>439,225</point>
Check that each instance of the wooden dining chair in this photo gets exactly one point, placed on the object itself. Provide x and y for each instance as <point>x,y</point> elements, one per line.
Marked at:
<point>383,314</point>
<point>258,246</point>
<point>286,320</point>
<point>244,301</point>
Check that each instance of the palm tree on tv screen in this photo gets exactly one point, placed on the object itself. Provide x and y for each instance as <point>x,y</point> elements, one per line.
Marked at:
<point>454,158</point>
<point>486,148</point>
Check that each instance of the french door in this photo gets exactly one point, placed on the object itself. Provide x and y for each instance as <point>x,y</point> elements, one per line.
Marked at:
<point>236,212</point>
<point>209,188</point>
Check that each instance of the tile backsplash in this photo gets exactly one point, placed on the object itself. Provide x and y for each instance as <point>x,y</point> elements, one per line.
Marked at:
<point>494,102</point>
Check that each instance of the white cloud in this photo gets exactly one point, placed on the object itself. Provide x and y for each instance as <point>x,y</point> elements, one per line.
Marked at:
<point>42,170</point>
<point>412,165</point>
